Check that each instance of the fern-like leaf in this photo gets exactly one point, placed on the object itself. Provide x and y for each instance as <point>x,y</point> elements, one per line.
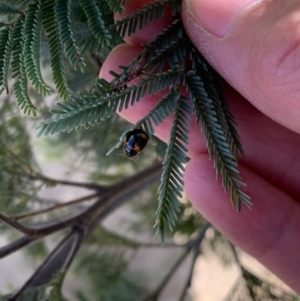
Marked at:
<point>159,113</point>
<point>31,48</point>
<point>217,142</point>
<point>102,102</point>
<point>148,14</point>
<point>148,60</point>
<point>171,185</point>
<point>5,53</point>
<point>72,51</point>
<point>115,5</point>
<point>56,50</point>
<point>96,21</point>
<point>6,8</point>
<point>21,92</point>
<point>17,47</point>
<point>213,85</point>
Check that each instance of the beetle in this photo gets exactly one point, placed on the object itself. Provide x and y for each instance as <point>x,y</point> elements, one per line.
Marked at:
<point>134,142</point>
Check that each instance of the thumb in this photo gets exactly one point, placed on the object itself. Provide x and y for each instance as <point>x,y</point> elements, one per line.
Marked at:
<point>255,46</point>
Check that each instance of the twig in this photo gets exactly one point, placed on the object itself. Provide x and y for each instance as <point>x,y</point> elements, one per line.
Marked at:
<point>194,245</point>
<point>15,225</point>
<point>114,196</point>
<point>42,266</point>
<point>196,251</point>
<point>16,245</point>
<point>139,244</point>
<point>154,295</point>
<point>45,179</point>
<point>54,207</point>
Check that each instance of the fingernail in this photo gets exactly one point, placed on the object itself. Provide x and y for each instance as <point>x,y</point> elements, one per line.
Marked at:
<point>217,16</point>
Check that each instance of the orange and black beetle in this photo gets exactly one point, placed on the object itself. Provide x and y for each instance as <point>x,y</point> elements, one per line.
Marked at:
<point>134,142</point>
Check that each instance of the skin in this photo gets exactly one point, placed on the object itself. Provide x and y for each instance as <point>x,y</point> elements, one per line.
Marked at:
<point>258,53</point>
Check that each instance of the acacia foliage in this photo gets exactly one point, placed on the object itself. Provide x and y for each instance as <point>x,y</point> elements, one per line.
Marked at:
<point>167,63</point>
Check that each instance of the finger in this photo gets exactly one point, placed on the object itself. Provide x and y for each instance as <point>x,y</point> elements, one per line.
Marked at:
<point>267,232</point>
<point>254,45</point>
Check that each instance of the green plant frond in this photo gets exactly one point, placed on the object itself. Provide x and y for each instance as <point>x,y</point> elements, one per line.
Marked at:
<point>72,51</point>
<point>31,48</point>
<point>148,58</point>
<point>91,108</point>
<point>171,186</point>
<point>20,4</point>
<point>17,48</point>
<point>217,142</point>
<point>21,89</point>
<point>90,45</point>
<point>148,14</point>
<point>173,54</point>
<point>171,33</point>
<point>96,22</point>
<point>56,50</point>
<point>6,8</point>
<point>213,85</point>
<point>6,36</point>
<point>115,5</point>
<point>159,113</point>
<point>22,95</point>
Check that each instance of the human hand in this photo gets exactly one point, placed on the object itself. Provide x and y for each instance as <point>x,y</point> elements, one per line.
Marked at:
<point>259,55</point>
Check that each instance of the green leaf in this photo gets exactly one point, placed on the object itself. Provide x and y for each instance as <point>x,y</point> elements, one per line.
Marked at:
<point>217,142</point>
<point>213,85</point>
<point>17,47</point>
<point>22,95</point>
<point>103,101</point>
<point>5,53</point>
<point>31,48</point>
<point>151,12</point>
<point>64,20</point>
<point>115,5</point>
<point>56,49</point>
<point>170,187</point>
<point>6,8</point>
<point>96,21</point>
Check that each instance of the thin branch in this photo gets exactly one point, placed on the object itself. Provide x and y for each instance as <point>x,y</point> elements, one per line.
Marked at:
<point>88,219</point>
<point>194,245</point>
<point>45,179</point>
<point>42,231</point>
<point>154,295</point>
<point>196,251</point>
<point>120,193</point>
<point>140,244</point>
<point>54,207</point>
<point>16,245</point>
<point>41,267</point>
<point>15,224</point>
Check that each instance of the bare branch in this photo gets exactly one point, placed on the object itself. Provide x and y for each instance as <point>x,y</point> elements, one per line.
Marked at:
<point>16,245</point>
<point>45,179</point>
<point>196,251</point>
<point>54,207</point>
<point>192,245</point>
<point>114,196</point>
<point>15,224</point>
<point>154,295</point>
<point>73,237</point>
